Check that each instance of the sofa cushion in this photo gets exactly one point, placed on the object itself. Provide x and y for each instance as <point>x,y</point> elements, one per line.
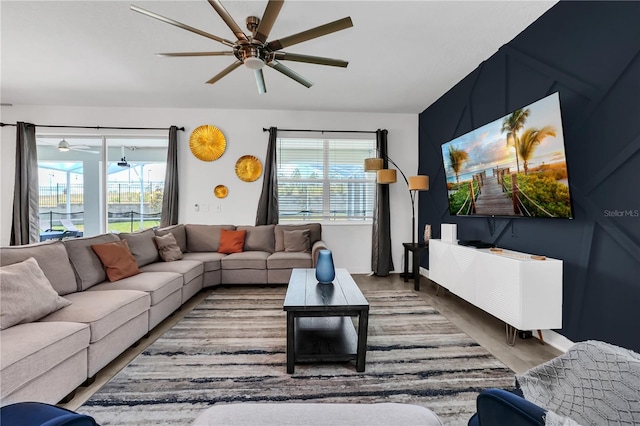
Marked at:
<point>168,247</point>
<point>289,260</point>
<point>231,241</point>
<point>86,263</point>
<point>259,238</point>
<point>246,260</point>
<point>296,240</point>
<point>204,237</point>
<point>178,232</point>
<point>117,260</point>
<point>315,233</point>
<point>103,311</point>
<point>211,260</point>
<point>52,259</point>
<point>187,269</point>
<point>30,350</point>
<point>159,285</point>
<point>142,246</point>
<point>27,294</point>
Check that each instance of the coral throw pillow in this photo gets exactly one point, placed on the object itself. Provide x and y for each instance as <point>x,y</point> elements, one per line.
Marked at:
<point>117,260</point>
<point>231,241</point>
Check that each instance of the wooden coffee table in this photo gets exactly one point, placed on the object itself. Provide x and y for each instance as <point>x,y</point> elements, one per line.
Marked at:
<point>319,325</point>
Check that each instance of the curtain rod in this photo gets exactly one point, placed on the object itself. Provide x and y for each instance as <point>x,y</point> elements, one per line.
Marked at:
<point>322,131</point>
<point>94,127</point>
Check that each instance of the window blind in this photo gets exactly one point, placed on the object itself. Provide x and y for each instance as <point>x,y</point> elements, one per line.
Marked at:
<point>323,179</point>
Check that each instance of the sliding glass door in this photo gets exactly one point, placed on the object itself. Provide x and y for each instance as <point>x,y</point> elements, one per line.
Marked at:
<point>135,182</point>
<point>94,184</point>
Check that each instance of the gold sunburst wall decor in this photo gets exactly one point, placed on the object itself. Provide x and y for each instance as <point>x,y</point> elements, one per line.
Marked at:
<point>248,168</point>
<point>221,191</point>
<point>207,143</point>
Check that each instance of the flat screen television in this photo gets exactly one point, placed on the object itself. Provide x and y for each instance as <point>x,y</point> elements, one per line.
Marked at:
<point>514,166</point>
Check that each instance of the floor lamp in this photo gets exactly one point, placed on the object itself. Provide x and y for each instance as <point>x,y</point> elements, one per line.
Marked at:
<point>387,176</point>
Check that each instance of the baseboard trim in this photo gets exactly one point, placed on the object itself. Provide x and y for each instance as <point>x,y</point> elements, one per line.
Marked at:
<point>550,337</point>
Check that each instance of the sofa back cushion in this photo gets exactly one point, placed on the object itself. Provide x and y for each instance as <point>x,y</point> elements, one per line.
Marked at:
<point>259,238</point>
<point>315,233</point>
<point>204,237</point>
<point>142,246</point>
<point>52,259</point>
<point>86,263</point>
<point>179,234</point>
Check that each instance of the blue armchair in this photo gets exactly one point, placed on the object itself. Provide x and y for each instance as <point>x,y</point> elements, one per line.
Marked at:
<point>40,414</point>
<point>500,407</point>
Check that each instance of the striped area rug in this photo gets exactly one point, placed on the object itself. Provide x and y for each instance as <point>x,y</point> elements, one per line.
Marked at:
<point>231,348</point>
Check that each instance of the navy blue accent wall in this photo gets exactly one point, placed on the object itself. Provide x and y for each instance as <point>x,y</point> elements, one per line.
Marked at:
<point>590,53</point>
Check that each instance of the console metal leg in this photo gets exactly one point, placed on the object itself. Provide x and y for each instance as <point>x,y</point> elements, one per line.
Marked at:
<point>512,333</point>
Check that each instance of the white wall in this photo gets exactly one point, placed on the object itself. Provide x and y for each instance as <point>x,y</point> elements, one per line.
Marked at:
<point>351,244</point>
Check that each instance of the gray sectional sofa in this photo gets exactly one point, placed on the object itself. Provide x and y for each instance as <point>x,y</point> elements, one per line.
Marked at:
<point>47,359</point>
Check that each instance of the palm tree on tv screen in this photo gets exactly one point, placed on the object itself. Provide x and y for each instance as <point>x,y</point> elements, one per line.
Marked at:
<point>458,157</point>
<point>528,142</point>
<point>512,124</point>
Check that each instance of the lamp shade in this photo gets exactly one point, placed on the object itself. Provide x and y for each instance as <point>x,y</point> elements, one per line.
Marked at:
<point>371,164</point>
<point>418,183</point>
<point>385,176</point>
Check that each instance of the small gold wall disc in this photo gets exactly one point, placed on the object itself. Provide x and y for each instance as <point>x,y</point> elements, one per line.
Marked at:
<point>221,191</point>
<point>248,168</point>
<point>207,143</point>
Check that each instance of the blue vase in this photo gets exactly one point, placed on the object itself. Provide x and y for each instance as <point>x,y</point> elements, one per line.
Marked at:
<point>325,271</point>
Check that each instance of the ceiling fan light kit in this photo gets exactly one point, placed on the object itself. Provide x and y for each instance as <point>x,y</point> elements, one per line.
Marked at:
<point>253,51</point>
<point>63,146</point>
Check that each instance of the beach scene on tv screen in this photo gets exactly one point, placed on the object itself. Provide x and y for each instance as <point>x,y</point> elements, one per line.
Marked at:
<point>514,166</point>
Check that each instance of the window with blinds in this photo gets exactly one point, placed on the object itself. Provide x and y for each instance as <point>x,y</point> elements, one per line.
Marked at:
<point>324,179</point>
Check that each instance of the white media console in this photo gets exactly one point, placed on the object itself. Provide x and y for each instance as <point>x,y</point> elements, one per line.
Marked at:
<point>522,291</point>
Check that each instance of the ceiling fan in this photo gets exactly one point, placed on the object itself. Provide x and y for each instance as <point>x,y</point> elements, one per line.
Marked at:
<point>254,51</point>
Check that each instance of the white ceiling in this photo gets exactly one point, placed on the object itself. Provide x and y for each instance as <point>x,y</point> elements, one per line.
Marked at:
<point>403,54</point>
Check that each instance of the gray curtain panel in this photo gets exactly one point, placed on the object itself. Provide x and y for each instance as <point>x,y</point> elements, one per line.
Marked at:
<point>268,211</point>
<point>381,258</point>
<point>169,215</point>
<point>25,228</point>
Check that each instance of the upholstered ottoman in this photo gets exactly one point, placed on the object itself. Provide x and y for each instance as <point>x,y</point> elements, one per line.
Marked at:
<point>304,414</point>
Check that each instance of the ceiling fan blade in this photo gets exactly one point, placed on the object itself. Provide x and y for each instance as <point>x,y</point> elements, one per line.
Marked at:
<point>268,19</point>
<point>260,81</point>
<point>307,35</point>
<point>226,17</point>
<point>180,54</point>
<point>90,151</point>
<point>224,72</point>
<point>181,25</point>
<point>290,73</point>
<point>319,60</point>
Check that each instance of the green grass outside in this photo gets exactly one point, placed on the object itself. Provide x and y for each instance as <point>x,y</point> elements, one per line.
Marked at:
<point>126,226</point>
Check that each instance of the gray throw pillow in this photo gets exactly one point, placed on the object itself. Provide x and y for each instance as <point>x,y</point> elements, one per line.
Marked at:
<point>27,295</point>
<point>297,241</point>
<point>168,247</point>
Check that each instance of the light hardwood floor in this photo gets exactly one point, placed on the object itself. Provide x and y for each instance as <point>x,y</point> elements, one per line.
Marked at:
<point>482,327</point>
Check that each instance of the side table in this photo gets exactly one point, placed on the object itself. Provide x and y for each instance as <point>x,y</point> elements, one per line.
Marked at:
<point>415,249</point>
